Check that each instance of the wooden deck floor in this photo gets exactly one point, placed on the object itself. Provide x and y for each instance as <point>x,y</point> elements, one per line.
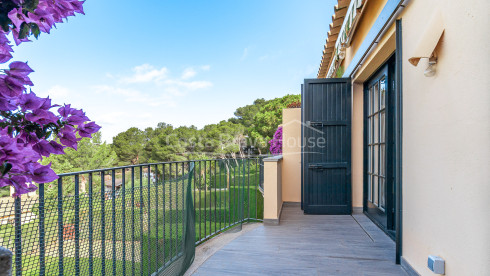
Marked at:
<point>308,245</point>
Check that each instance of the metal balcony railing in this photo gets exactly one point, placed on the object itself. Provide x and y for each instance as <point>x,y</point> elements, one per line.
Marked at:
<point>131,220</point>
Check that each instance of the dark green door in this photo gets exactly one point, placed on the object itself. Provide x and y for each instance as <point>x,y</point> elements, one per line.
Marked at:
<point>326,146</point>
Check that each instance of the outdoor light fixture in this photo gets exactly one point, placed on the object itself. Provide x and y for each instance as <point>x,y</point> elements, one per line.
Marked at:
<point>431,69</point>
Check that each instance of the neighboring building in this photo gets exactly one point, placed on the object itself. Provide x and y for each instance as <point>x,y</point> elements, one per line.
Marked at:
<point>403,101</point>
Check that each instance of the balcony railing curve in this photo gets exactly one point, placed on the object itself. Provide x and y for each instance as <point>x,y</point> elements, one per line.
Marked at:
<point>132,220</point>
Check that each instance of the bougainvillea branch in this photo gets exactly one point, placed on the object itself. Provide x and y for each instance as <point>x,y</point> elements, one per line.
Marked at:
<point>276,142</point>
<point>29,129</point>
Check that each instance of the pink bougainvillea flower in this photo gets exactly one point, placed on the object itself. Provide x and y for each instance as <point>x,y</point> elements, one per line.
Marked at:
<point>77,120</point>
<point>42,116</point>
<point>65,110</point>
<point>25,128</point>
<point>43,174</point>
<point>43,19</point>
<point>47,104</point>
<point>10,87</point>
<point>20,69</point>
<point>69,139</point>
<point>5,48</point>
<point>21,185</point>
<point>57,148</point>
<point>86,130</point>
<point>78,6</point>
<point>44,148</point>
<point>18,40</point>
<point>31,101</point>
<point>276,142</point>
<point>6,104</point>
<point>18,18</point>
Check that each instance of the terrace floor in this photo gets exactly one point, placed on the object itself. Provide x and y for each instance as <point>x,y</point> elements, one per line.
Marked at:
<point>307,245</point>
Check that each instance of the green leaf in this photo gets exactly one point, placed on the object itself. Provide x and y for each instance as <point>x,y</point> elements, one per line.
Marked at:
<point>5,22</point>
<point>31,5</point>
<point>48,134</point>
<point>40,133</point>
<point>24,30</point>
<point>35,30</point>
<point>6,167</point>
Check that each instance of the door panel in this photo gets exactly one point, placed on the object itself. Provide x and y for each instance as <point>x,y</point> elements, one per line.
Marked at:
<point>326,145</point>
<point>376,121</point>
<point>378,147</point>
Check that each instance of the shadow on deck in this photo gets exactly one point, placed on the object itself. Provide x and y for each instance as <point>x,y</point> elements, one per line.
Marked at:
<point>307,245</point>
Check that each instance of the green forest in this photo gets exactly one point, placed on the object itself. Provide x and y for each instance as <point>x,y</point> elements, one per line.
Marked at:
<point>251,127</point>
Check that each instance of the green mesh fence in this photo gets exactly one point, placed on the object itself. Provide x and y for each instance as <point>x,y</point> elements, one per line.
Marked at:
<point>134,220</point>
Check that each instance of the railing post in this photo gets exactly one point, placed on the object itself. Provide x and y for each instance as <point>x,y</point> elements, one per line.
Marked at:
<point>77,225</point>
<point>113,198</point>
<point>60,226</point>
<point>90,225</point>
<point>133,190</point>
<point>18,237</point>
<point>42,245</point>
<point>123,187</point>
<point>5,262</point>
<point>149,221</point>
<point>102,213</point>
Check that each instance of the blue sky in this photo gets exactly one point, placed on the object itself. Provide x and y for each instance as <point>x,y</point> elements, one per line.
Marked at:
<point>137,63</point>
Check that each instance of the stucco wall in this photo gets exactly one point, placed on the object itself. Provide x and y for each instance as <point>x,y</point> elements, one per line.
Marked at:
<point>446,140</point>
<point>291,152</point>
<point>357,144</point>
<point>272,189</point>
<point>446,136</point>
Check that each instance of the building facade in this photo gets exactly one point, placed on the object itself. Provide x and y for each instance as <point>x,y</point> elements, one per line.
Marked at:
<point>406,85</point>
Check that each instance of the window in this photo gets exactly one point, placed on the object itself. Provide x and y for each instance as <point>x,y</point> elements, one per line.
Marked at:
<point>376,147</point>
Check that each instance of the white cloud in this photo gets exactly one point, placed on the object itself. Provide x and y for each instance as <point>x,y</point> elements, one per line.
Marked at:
<point>135,96</point>
<point>264,57</point>
<point>59,94</point>
<point>58,91</point>
<point>188,85</point>
<point>245,54</point>
<point>188,73</point>
<point>145,73</point>
<point>206,67</point>
<point>153,87</point>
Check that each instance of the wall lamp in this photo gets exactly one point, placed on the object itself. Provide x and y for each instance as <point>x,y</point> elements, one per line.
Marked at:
<point>425,47</point>
<point>431,69</point>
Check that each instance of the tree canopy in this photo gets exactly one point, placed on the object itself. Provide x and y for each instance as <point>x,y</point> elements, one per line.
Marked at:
<point>253,125</point>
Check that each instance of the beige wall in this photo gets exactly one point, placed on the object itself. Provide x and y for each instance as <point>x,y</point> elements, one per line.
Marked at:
<point>446,140</point>
<point>272,188</point>
<point>446,136</point>
<point>357,144</point>
<point>291,152</point>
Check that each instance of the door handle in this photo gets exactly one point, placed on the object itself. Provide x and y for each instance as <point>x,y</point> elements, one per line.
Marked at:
<point>316,124</point>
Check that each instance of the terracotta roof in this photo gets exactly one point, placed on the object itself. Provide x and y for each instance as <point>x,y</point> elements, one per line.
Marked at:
<point>342,28</point>
<point>340,10</point>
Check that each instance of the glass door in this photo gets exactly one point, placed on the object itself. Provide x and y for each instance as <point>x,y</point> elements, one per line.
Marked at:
<point>378,143</point>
